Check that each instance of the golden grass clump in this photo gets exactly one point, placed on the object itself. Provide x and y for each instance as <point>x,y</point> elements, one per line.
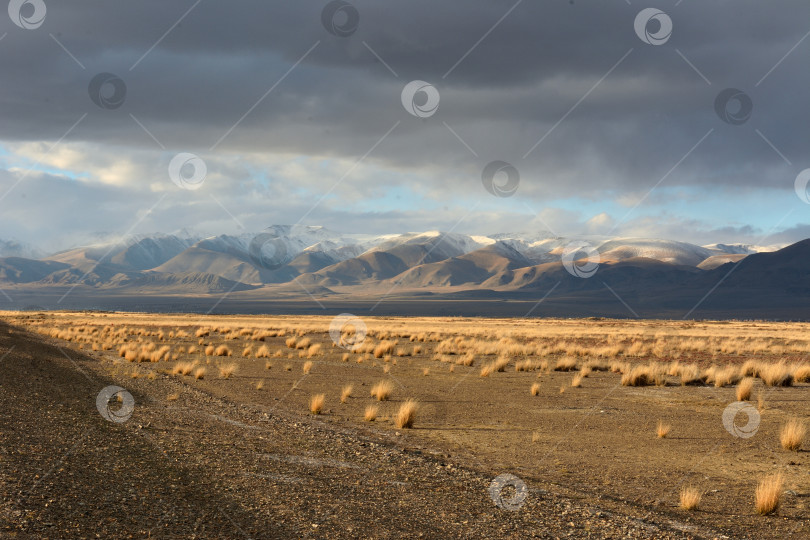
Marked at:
<point>172,397</point>
<point>576,382</point>
<point>183,368</point>
<point>222,350</point>
<point>487,369</point>
<point>662,430</point>
<point>263,352</point>
<point>690,374</point>
<point>801,373</point>
<point>777,374</point>
<point>259,385</point>
<point>535,390</point>
<point>383,348</point>
<point>226,370</point>
<point>690,498</point>
<point>247,352</point>
<point>792,434</point>
<point>199,373</point>
<point>406,415</point>
<point>316,403</point>
<point>566,363</point>
<point>744,389</point>
<point>307,367</point>
<point>346,393</point>
<point>725,376</point>
<point>290,342</point>
<point>768,494</point>
<point>209,351</point>
<point>382,390</point>
<point>313,350</point>
<point>370,413</point>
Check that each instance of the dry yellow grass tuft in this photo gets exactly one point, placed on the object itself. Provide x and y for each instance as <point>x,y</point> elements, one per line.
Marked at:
<point>744,389</point>
<point>307,367</point>
<point>777,374</point>
<point>316,403</point>
<point>346,393</point>
<point>313,350</point>
<point>566,363</point>
<point>768,494</point>
<point>199,373</point>
<point>370,413</point>
<point>792,434</point>
<point>535,389</point>
<point>183,368</point>
<point>726,376</point>
<point>222,350</point>
<point>801,373</point>
<point>426,371</point>
<point>209,351</point>
<point>263,352</point>
<point>247,352</point>
<point>576,382</point>
<point>290,342</point>
<point>645,375</point>
<point>535,436</point>
<point>662,430</point>
<point>760,402</point>
<point>690,498</point>
<point>406,415</point>
<point>383,348</point>
<point>382,390</point>
<point>172,397</point>
<point>487,369</point>
<point>226,370</point>
<point>259,385</point>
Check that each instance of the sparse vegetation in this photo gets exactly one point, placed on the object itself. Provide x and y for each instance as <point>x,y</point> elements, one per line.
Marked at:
<point>226,370</point>
<point>382,390</point>
<point>768,494</point>
<point>406,415</point>
<point>316,403</point>
<point>370,413</point>
<point>346,393</point>
<point>662,430</point>
<point>690,498</point>
<point>744,389</point>
<point>792,434</point>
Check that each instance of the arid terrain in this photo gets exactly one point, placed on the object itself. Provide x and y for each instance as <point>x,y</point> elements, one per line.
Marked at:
<point>273,426</point>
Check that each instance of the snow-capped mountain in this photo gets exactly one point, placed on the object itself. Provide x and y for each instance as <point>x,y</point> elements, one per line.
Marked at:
<point>323,257</point>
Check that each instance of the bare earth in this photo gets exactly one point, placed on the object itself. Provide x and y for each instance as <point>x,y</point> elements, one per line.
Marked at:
<point>228,460</point>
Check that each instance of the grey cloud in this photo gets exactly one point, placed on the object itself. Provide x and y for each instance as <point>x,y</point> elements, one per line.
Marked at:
<point>505,95</point>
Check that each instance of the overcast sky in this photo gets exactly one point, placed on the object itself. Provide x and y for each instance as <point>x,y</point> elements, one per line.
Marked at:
<point>296,108</point>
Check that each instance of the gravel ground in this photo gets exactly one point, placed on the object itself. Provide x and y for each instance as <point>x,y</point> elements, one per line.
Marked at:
<point>203,467</point>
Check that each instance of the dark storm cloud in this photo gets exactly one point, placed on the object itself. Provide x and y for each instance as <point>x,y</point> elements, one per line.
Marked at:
<point>507,93</point>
